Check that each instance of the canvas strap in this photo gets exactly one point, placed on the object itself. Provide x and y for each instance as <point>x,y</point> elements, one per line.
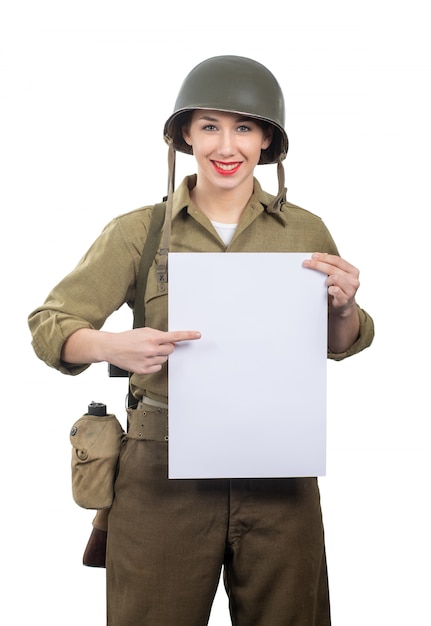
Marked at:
<point>147,258</point>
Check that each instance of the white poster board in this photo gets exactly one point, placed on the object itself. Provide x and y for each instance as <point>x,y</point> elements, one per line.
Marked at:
<point>248,399</point>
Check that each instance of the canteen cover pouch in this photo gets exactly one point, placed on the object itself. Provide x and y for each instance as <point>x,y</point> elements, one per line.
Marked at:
<point>96,441</point>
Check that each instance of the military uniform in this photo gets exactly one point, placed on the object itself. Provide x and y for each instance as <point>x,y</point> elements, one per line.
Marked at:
<point>168,539</point>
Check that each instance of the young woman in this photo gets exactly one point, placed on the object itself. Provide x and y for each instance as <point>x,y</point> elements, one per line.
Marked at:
<point>169,539</point>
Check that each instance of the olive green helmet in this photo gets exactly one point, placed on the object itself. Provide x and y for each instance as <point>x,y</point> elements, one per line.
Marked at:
<point>234,84</point>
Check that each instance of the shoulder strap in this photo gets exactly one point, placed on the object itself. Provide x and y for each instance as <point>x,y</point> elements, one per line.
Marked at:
<point>147,257</point>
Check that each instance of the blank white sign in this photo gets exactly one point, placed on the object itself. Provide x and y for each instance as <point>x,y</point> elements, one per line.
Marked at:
<point>249,398</point>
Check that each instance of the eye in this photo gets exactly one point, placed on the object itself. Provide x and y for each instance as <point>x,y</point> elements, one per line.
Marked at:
<point>210,127</point>
<point>244,128</point>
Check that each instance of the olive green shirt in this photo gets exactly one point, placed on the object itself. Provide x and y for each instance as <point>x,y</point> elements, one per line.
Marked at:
<point>105,277</point>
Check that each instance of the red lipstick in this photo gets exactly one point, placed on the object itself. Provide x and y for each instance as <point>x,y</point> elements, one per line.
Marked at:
<point>226,169</point>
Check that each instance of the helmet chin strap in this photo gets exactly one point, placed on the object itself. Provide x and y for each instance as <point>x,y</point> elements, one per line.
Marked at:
<point>275,205</point>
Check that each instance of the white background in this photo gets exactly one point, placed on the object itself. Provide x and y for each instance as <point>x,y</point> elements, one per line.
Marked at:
<point>86,86</point>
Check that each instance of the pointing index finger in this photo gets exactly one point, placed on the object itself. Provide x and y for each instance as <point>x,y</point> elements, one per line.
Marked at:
<point>174,336</point>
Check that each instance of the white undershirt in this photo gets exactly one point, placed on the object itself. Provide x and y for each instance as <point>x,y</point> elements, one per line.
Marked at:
<point>225,231</point>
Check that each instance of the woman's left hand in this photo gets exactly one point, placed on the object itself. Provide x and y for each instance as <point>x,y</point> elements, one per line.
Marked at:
<point>342,281</point>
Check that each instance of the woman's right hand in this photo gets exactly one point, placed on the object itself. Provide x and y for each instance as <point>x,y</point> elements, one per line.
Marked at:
<point>141,350</point>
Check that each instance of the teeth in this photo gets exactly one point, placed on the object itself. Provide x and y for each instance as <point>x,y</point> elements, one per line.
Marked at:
<point>226,166</point>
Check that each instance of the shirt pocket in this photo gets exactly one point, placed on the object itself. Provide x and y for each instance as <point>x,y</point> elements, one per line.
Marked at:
<point>156,300</point>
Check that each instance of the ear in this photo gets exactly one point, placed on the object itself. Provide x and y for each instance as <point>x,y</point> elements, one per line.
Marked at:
<point>185,131</point>
<point>268,135</point>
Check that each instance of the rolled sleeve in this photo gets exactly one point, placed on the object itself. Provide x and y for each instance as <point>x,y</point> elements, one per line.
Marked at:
<point>49,334</point>
<point>364,340</point>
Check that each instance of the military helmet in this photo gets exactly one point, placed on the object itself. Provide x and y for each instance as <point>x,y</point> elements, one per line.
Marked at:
<point>232,84</point>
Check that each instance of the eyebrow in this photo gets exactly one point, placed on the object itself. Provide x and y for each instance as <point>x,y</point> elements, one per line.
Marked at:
<point>210,118</point>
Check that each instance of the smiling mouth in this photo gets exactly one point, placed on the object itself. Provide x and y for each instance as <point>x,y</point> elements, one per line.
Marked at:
<point>226,169</point>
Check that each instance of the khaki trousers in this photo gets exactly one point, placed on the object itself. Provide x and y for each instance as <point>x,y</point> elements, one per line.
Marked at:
<point>169,539</point>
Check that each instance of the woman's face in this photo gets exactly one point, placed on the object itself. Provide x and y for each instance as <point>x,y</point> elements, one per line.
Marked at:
<point>226,146</point>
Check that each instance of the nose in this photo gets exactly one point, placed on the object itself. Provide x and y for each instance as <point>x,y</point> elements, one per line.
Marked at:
<point>225,146</point>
